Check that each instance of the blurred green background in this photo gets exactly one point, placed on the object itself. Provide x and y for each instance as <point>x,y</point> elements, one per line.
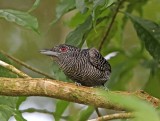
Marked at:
<point>25,44</point>
<point>133,68</point>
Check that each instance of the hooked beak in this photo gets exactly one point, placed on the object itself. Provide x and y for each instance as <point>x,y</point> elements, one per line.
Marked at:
<point>49,52</point>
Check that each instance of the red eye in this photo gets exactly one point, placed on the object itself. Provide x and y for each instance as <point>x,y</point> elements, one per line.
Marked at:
<point>63,49</point>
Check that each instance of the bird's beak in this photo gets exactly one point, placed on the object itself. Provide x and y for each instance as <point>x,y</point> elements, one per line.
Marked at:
<point>49,52</point>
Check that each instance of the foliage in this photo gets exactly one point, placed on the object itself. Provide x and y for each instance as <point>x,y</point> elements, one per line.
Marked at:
<point>142,110</point>
<point>20,18</point>
<point>124,26</point>
<point>9,105</point>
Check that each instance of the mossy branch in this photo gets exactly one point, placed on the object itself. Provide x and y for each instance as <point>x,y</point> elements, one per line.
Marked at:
<point>27,86</point>
<point>65,91</point>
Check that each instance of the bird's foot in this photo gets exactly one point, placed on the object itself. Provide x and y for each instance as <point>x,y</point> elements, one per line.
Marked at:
<point>102,87</point>
<point>105,88</point>
<point>78,84</point>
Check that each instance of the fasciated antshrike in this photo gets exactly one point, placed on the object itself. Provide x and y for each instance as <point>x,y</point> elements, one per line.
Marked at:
<point>84,66</point>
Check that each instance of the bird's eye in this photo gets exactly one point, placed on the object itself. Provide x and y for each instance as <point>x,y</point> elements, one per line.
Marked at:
<point>63,49</point>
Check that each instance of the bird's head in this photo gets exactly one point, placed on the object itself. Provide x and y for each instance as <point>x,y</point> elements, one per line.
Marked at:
<point>57,51</point>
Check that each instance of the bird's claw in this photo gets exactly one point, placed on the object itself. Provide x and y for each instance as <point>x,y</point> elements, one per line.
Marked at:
<point>78,84</point>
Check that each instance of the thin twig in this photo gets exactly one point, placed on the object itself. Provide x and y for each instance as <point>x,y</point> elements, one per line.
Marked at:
<point>106,36</point>
<point>25,65</point>
<point>32,110</point>
<point>110,25</point>
<point>114,116</point>
<point>97,111</point>
<point>13,69</point>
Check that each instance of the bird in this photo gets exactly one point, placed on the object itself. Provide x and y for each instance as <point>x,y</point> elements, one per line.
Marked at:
<point>86,67</point>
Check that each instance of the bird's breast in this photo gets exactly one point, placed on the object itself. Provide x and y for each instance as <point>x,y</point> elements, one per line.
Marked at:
<point>82,71</point>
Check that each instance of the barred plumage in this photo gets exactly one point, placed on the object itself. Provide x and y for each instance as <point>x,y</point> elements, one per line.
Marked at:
<point>86,66</point>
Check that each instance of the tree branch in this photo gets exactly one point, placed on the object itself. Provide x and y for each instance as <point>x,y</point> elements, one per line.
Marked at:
<point>111,24</point>
<point>114,116</point>
<point>64,91</point>
<point>25,65</point>
<point>13,69</point>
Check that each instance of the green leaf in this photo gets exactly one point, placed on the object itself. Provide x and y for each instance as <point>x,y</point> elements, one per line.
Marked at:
<point>60,108</point>
<point>3,71</point>
<point>8,108</point>
<point>20,18</point>
<point>77,19</point>
<point>3,118</point>
<point>99,6</point>
<point>149,32</point>
<point>142,110</point>
<point>63,7</point>
<point>7,100</point>
<point>97,9</point>
<point>152,86</point>
<point>98,3</point>
<point>81,6</point>
<point>78,36</point>
<point>110,2</point>
<point>35,5</point>
<point>133,6</point>
<point>85,114</point>
<point>5,112</point>
<point>18,116</point>
<point>94,38</point>
<point>20,100</point>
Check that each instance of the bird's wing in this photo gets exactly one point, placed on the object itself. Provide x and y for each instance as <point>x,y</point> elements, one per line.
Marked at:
<point>97,60</point>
